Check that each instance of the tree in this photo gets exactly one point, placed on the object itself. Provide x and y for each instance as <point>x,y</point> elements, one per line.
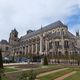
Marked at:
<point>78,58</point>
<point>13,57</point>
<point>1,61</point>
<point>1,64</point>
<point>2,75</point>
<point>45,60</point>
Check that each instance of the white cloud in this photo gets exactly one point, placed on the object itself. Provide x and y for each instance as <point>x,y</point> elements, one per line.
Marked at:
<point>30,14</point>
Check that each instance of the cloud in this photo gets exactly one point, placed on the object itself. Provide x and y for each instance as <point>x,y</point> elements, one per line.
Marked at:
<point>30,14</point>
<point>73,20</point>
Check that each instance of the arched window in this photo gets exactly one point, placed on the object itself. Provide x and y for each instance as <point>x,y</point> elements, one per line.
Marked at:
<point>50,45</point>
<point>66,44</point>
<point>66,53</point>
<point>57,44</point>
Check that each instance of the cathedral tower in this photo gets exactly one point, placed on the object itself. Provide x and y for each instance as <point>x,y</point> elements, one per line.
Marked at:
<point>13,39</point>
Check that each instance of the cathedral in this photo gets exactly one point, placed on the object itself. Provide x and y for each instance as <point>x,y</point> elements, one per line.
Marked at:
<point>48,40</point>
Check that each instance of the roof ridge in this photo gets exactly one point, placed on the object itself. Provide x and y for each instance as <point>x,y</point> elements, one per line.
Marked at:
<point>46,28</point>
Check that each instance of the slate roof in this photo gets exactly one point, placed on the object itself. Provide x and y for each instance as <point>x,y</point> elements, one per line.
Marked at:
<point>4,42</point>
<point>44,29</point>
<point>71,35</point>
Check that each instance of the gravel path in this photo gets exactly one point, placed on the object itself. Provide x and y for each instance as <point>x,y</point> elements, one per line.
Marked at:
<point>66,75</point>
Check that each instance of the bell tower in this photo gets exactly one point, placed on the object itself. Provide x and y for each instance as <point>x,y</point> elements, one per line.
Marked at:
<point>13,39</point>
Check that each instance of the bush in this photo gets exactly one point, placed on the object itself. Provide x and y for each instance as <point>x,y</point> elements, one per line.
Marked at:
<point>2,75</point>
<point>31,75</point>
<point>45,60</point>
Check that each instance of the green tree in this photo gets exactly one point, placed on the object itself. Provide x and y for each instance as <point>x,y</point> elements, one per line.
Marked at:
<point>45,60</point>
<point>78,58</point>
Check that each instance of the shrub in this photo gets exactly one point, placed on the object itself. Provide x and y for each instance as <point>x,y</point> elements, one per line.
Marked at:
<point>31,75</point>
<point>2,75</point>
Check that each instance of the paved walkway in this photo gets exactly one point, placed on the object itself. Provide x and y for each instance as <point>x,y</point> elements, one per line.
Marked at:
<point>50,72</point>
<point>12,64</point>
<point>9,64</point>
<point>66,75</point>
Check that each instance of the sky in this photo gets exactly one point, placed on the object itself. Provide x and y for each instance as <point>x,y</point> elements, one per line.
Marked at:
<point>31,14</point>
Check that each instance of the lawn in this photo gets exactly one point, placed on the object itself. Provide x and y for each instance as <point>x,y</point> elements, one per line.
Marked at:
<point>55,75</point>
<point>4,77</point>
<point>45,69</point>
<point>37,70</point>
<point>9,69</point>
<point>49,68</point>
<point>51,65</point>
<point>75,76</point>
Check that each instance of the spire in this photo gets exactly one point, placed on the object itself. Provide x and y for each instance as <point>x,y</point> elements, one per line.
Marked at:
<point>41,26</point>
<point>77,33</point>
<point>41,30</point>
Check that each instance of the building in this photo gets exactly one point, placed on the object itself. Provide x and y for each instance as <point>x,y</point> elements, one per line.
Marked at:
<point>51,39</point>
<point>4,45</point>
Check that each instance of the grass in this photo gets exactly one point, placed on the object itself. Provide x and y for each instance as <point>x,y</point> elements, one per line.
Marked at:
<point>50,65</point>
<point>61,73</point>
<point>75,76</point>
<point>9,69</point>
<point>4,77</point>
<point>55,75</point>
<point>50,68</point>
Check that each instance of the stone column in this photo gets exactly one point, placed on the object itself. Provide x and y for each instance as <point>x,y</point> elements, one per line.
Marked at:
<point>62,45</point>
<point>22,50</point>
<point>13,53</point>
<point>53,45</point>
<point>41,43</point>
<point>46,46</point>
<point>32,48</point>
<point>28,49</point>
<point>36,48</point>
<point>25,49</point>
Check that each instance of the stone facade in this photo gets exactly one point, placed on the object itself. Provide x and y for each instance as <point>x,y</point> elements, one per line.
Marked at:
<point>4,45</point>
<point>47,40</point>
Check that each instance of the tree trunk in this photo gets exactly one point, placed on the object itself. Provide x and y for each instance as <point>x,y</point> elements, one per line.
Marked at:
<point>1,61</point>
<point>0,77</point>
